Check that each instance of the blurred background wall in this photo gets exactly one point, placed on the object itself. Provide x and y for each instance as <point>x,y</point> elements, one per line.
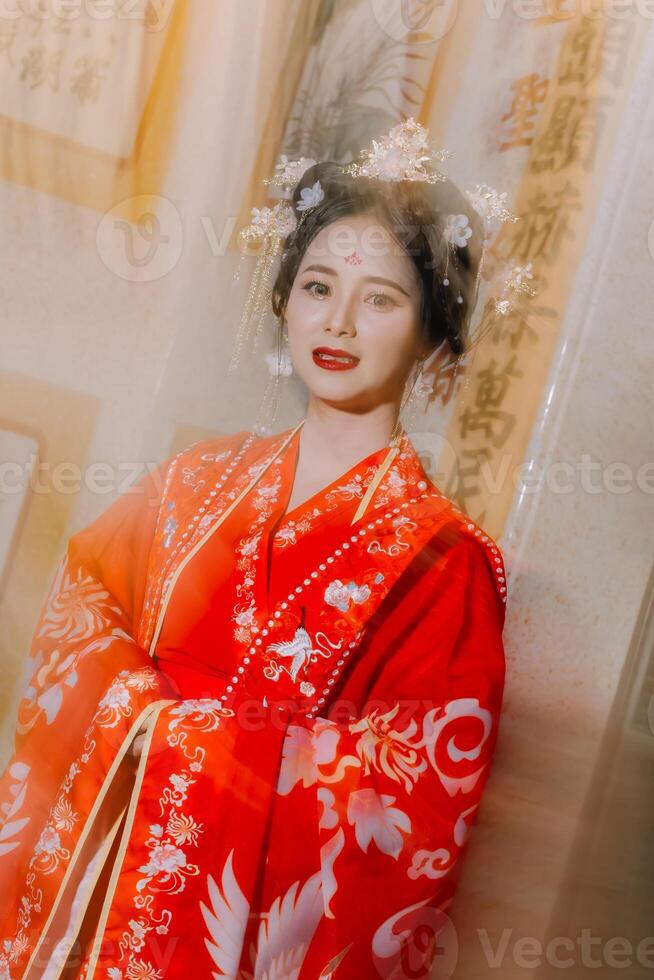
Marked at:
<point>134,138</point>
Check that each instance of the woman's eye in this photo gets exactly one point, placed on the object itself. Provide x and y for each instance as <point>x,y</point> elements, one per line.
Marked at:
<point>322,289</point>
<point>315,282</point>
<point>386,301</point>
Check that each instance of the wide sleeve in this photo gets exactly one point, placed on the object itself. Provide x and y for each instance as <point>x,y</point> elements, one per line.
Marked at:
<point>93,604</point>
<point>83,639</point>
<point>398,787</point>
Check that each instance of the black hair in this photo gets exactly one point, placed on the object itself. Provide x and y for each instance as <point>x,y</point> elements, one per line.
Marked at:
<point>415,213</point>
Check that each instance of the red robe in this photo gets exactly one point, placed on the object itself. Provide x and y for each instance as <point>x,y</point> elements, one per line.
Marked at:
<point>320,698</point>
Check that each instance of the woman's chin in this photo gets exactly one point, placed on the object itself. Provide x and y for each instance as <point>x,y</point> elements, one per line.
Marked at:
<point>349,391</point>
<point>354,401</point>
<point>334,385</point>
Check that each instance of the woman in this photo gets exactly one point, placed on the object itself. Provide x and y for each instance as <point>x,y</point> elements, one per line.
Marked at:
<point>265,689</point>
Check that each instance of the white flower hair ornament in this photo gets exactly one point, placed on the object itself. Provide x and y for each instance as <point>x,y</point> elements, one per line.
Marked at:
<point>490,206</point>
<point>518,282</point>
<point>290,173</point>
<point>403,154</point>
<point>310,197</point>
<point>457,230</point>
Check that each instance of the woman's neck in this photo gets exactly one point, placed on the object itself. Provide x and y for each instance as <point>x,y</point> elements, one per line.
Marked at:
<point>345,437</point>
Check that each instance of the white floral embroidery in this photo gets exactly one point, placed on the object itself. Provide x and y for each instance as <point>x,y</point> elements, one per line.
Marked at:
<point>265,494</point>
<point>10,823</point>
<point>340,595</point>
<point>165,859</point>
<point>203,714</point>
<point>77,607</point>
<point>183,829</point>
<point>116,697</point>
<point>287,535</point>
<point>288,532</point>
<point>139,931</point>
<point>49,851</point>
<point>140,970</point>
<point>18,947</point>
<point>310,757</point>
<point>374,818</point>
<point>250,546</point>
<point>180,787</point>
<point>264,498</point>
<point>52,847</point>
<point>49,842</point>
<point>168,866</point>
<point>115,704</point>
<point>387,750</point>
<point>392,488</point>
<point>245,619</point>
<point>142,680</point>
<point>46,693</point>
<point>351,489</point>
<point>63,816</point>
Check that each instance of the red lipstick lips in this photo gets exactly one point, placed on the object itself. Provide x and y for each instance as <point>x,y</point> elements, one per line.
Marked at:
<point>332,359</point>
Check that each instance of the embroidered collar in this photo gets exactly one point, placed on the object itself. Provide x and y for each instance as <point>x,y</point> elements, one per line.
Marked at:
<point>404,480</point>
<point>405,477</point>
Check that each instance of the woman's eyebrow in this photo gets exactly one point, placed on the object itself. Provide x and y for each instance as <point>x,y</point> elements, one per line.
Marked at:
<point>387,282</point>
<point>377,279</point>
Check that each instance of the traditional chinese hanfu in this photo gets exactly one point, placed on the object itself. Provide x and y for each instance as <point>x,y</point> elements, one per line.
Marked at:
<point>315,695</point>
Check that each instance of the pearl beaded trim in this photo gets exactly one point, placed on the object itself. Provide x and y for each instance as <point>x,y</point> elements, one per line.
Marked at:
<point>323,566</point>
<point>225,475</point>
<point>183,543</point>
<point>498,564</point>
<point>314,575</point>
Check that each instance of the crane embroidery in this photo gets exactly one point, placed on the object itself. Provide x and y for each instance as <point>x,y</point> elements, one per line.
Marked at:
<point>301,651</point>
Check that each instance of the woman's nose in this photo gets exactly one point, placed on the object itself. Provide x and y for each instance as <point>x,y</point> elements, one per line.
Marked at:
<point>340,329</point>
<point>341,321</point>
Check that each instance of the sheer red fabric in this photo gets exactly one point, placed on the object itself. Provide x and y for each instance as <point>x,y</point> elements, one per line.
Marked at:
<point>320,698</point>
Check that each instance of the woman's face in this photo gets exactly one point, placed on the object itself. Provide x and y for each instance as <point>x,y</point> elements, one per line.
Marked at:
<point>353,315</point>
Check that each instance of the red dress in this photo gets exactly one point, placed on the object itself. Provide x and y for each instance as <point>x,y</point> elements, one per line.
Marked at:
<point>320,693</point>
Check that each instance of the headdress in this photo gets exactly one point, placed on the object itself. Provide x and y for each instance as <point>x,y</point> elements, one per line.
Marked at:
<point>403,154</point>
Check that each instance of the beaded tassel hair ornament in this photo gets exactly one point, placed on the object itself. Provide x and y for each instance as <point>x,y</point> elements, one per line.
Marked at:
<point>403,154</point>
